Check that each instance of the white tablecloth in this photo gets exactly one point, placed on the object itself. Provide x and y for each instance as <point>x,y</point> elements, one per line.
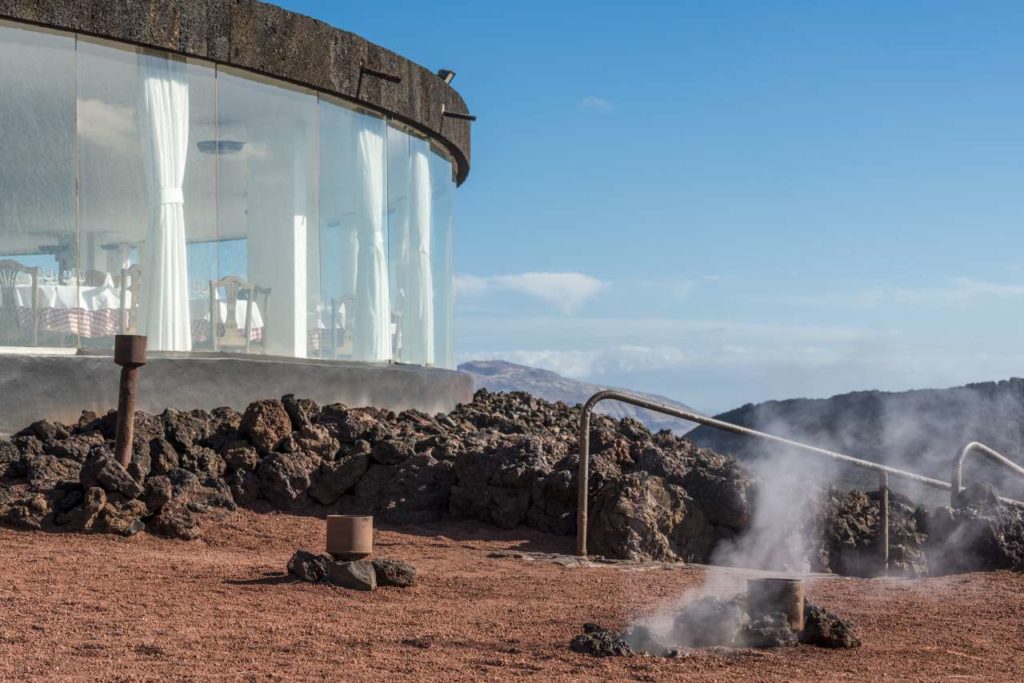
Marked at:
<point>64,297</point>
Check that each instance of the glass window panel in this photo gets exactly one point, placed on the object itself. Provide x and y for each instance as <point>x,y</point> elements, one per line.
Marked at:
<point>354,315</point>
<point>37,191</point>
<point>267,215</point>
<point>148,213</point>
<point>398,232</point>
<point>443,255</point>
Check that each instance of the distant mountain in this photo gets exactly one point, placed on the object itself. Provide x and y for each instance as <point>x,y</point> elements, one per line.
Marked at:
<point>921,430</point>
<point>499,375</point>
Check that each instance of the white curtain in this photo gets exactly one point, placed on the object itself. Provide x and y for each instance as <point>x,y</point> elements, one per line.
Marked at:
<point>164,311</point>
<point>418,316</point>
<point>372,333</point>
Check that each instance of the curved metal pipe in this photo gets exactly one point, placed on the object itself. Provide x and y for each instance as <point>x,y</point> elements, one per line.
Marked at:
<point>956,485</point>
<point>610,394</point>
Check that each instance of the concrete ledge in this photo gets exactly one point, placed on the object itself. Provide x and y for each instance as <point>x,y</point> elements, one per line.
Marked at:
<point>61,387</point>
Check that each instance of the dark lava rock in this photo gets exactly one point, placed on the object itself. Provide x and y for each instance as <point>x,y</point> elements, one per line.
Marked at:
<point>393,451</point>
<point>309,566</point>
<point>82,517</point>
<point>163,456</point>
<point>244,486</point>
<point>239,455</point>
<point>44,430</point>
<point>394,573</point>
<point>358,575</point>
<point>284,478</point>
<point>46,471</point>
<point>158,492</point>
<point>124,519</point>
<point>598,642</point>
<point>100,469</point>
<point>175,520</point>
<point>851,540</point>
<point>28,512</point>
<point>417,492</point>
<point>768,630</point>
<point>982,533</point>
<point>339,477</point>
<point>824,628</point>
<point>266,423</point>
<point>186,429</point>
<point>641,516</point>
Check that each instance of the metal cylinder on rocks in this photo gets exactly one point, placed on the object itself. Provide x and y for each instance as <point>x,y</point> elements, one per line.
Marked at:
<point>777,596</point>
<point>130,354</point>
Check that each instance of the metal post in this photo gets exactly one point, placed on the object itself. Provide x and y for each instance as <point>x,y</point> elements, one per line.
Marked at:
<point>883,503</point>
<point>130,354</point>
<point>583,476</point>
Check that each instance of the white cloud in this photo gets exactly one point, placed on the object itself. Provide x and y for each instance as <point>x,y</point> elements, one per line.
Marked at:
<point>954,292</point>
<point>565,291</point>
<point>596,103</point>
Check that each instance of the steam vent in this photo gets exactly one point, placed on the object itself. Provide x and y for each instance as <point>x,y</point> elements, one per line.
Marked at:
<point>267,198</point>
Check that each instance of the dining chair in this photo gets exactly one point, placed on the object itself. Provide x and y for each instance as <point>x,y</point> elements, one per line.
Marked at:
<point>227,334</point>
<point>341,330</point>
<point>131,278</point>
<point>10,273</point>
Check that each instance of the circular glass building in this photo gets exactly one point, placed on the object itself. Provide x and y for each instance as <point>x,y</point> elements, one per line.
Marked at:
<point>233,181</point>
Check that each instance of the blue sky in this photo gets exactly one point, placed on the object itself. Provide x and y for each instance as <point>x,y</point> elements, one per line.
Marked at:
<point>726,202</point>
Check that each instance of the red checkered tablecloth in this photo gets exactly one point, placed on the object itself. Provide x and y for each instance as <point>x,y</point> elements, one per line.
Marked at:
<point>201,331</point>
<point>102,323</point>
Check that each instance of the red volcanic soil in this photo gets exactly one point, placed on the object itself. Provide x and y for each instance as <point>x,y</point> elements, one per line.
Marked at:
<point>221,608</point>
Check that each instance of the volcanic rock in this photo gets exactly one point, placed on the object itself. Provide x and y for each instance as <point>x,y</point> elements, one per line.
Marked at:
<point>339,477</point>
<point>394,573</point>
<point>599,642</point>
<point>982,533</point>
<point>284,478</point>
<point>823,628</point>
<point>358,575</point>
<point>175,520</point>
<point>309,566</point>
<point>641,516</point>
<point>768,630</point>
<point>266,423</point>
<point>158,492</point>
<point>100,469</point>
<point>82,517</point>
<point>163,456</point>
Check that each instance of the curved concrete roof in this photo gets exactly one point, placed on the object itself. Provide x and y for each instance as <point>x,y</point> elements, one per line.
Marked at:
<point>268,40</point>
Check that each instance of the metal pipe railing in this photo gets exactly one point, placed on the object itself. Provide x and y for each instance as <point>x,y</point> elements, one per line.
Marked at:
<point>956,485</point>
<point>584,455</point>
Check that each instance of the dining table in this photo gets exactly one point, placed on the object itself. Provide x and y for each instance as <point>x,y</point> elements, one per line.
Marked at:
<point>85,310</point>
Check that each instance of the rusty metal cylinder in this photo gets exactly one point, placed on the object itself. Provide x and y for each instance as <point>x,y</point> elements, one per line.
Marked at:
<point>130,354</point>
<point>349,537</point>
<point>777,596</point>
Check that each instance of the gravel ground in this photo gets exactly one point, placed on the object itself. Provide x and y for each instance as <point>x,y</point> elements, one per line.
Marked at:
<point>99,607</point>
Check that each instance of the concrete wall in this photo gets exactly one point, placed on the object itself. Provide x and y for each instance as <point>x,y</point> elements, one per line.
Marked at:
<point>61,387</point>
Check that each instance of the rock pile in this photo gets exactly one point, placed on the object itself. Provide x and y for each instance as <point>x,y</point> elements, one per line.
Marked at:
<point>504,459</point>
<point>718,622</point>
<point>363,575</point>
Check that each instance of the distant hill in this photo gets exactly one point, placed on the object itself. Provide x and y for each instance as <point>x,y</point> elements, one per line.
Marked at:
<point>919,430</point>
<point>499,375</point>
